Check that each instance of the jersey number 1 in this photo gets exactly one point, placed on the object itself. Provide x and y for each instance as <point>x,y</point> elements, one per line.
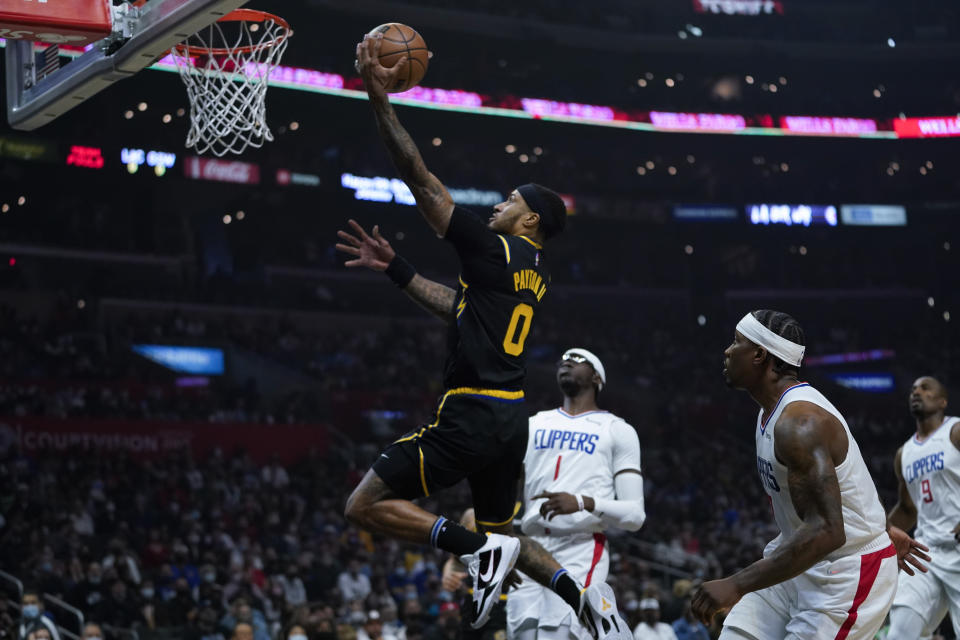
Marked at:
<point>925,490</point>
<point>513,341</point>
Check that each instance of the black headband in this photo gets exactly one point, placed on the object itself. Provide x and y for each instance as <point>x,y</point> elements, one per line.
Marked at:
<point>548,205</point>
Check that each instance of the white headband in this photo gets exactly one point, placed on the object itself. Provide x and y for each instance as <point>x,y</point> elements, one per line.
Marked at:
<point>752,330</point>
<point>593,360</point>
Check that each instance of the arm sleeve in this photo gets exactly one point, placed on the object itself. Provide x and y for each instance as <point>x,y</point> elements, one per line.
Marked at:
<point>626,511</point>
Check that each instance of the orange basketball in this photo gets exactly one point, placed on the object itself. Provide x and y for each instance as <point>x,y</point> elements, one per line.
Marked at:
<point>399,42</point>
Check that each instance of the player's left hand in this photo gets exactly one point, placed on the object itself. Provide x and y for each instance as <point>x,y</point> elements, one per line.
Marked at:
<point>377,79</point>
<point>373,252</point>
<point>713,597</point>
<point>512,581</point>
<point>557,504</point>
<point>909,551</point>
<point>956,533</point>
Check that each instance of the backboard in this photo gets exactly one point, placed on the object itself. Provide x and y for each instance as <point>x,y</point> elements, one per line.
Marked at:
<point>138,36</point>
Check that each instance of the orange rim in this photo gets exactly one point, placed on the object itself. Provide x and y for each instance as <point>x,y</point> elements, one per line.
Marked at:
<point>240,15</point>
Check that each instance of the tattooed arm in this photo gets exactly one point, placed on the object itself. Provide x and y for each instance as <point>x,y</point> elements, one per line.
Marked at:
<point>374,252</point>
<point>810,443</point>
<point>436,298</point>
<point>432,197</point>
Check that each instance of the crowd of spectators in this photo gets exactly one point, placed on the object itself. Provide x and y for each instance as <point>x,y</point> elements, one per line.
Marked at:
<point>203,545</point>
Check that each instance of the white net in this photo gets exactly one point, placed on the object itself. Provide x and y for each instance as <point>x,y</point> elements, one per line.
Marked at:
<point>226,69</point>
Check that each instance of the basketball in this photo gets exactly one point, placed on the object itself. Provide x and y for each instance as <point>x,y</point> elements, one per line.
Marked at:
<point>399,42</point>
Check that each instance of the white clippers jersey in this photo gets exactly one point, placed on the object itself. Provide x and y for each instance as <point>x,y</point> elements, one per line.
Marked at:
<point>577,454</point>
<point>864,521</point>
<point>931,471</point>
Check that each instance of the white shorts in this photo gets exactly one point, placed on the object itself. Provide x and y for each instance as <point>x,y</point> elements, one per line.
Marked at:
<point>843,599</point>
<point>585,556</point>
<point>933,593</point>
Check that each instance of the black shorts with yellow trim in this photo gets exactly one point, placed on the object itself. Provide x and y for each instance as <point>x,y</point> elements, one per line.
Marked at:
<point>478,434</point>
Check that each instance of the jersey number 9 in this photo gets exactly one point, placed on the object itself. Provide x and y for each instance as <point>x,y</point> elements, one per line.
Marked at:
<point>513,341</point>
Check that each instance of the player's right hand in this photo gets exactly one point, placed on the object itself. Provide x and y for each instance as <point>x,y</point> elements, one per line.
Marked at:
<point>712,598</point>
<point>451,578</point>
<point>909,551</point>
<point>372,252</point>
<point>376,77</point>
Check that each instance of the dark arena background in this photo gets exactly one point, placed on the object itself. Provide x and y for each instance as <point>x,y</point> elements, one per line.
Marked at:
<point>191,382</point>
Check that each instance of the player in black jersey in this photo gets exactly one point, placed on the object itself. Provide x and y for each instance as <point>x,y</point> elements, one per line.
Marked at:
<point>480,429</point>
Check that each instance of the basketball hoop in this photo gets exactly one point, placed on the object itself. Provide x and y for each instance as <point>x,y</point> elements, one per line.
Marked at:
<point>226,68</point>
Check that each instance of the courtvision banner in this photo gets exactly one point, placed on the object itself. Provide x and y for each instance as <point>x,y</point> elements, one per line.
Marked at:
<point>151,439</point>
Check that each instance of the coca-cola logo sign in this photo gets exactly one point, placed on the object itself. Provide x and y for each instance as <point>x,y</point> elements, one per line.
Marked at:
<point>221,170</point>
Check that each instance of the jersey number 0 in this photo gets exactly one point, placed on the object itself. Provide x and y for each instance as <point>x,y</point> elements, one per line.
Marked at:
<point>513,341</point>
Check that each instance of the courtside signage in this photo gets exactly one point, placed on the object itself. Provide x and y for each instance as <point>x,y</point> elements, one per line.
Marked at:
<point>704,212</point>
<point>738,7</point>
<point>380,189</point>
<point>86,157</point>
<point>927,127</point>
<point>869,382</point>
<point>233,171</point>
<point>792,215</point>
<point>874,215</point>
<point>285,177</point>
<point>193,360</point>
<point>133,159</point>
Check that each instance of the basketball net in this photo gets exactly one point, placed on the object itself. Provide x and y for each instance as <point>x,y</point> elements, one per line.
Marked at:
<point>226,69</point>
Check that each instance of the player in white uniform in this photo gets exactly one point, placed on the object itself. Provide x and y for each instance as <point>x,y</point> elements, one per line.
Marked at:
<point>582,476</point>
<point>831,574</point>
<point>928,475</point>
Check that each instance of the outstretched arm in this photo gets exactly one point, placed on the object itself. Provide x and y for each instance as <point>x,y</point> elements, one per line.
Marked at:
<point>375,253</point>
<point>432,197</point>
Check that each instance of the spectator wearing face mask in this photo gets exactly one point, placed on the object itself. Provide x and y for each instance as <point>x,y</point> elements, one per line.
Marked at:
<point>181,608</point>
<point>372,628</point>
<point>150,604</point>
<point>92,631</point>
<point>242,613</point>
<point>121,558</point>
<point>296,632</point>
<point>32,618</point>
<point>90,592</point>
<point>353,584</point>
<point>294,593</point>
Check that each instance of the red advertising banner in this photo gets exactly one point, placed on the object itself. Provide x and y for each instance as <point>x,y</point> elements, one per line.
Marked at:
<point>946,127</point>
<point>87,157</point>
<point>77,22</point>
<point>221,170</point>
<point>810,125</point>
<point>147,439</point>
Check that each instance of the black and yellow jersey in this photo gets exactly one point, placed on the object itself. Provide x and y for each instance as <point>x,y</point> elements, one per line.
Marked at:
<point>502,280</point>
